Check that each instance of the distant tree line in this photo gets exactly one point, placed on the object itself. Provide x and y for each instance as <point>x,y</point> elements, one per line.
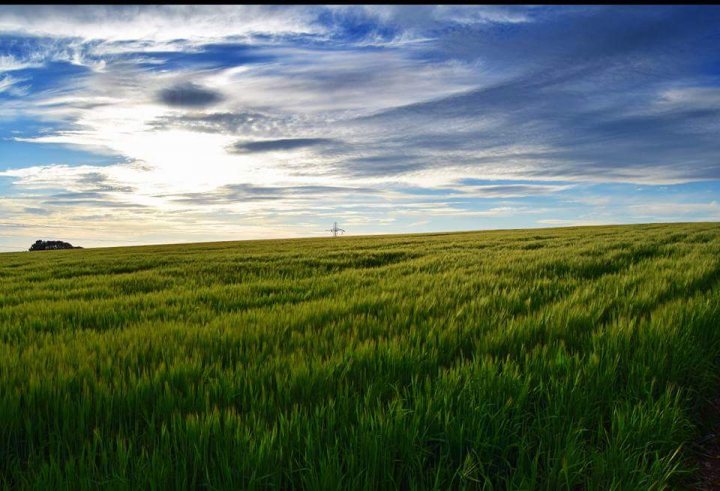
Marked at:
<point>50,245</point>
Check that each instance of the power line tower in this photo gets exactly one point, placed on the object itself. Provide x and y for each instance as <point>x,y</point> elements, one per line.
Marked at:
<point>335,230</point>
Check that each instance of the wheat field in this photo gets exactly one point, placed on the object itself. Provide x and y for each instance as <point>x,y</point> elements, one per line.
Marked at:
<point>573,358</point>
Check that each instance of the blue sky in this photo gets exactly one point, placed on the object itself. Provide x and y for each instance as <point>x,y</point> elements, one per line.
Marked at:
<point>150,124</point>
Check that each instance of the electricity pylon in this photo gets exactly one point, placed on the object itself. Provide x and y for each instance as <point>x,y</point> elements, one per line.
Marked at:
<point>335,230</point>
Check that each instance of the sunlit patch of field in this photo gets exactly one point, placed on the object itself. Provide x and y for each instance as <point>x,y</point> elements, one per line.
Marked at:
<point>574,358</point>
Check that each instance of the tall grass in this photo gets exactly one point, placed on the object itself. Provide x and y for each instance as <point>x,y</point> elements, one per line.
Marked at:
<point>574,358</point>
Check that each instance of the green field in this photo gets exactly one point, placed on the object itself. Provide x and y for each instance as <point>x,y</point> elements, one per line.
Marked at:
<point>575,358</point>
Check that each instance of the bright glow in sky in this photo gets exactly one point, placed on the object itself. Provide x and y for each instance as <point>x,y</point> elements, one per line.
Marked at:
<point>151,124</point>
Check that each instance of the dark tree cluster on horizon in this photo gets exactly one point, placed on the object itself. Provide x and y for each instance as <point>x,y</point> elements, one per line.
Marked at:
<point>50,245</point>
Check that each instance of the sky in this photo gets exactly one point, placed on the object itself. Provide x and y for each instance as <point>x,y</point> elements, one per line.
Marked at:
<point>124,125</point>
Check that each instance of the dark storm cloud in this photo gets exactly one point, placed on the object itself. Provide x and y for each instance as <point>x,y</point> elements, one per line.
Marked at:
<point>244,193</point>
<point>383,164</point>
<point>189,95</point>
<point>91,203</point>
<point>511,190</point>
<point>95,193</point>
<point>83,195</point>
<point>37,211</point>
<point>96,182</point>
<point>277,145</point>
<point>225,122</point>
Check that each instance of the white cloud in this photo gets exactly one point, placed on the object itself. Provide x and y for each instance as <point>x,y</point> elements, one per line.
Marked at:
<point>690,98</point>
<point>155,23</point>
<point>709,210</point>
<point>10,63</point>
<point>11,85</point>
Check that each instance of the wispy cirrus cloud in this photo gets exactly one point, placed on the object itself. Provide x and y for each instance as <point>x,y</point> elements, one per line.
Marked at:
<point>12,85</point>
